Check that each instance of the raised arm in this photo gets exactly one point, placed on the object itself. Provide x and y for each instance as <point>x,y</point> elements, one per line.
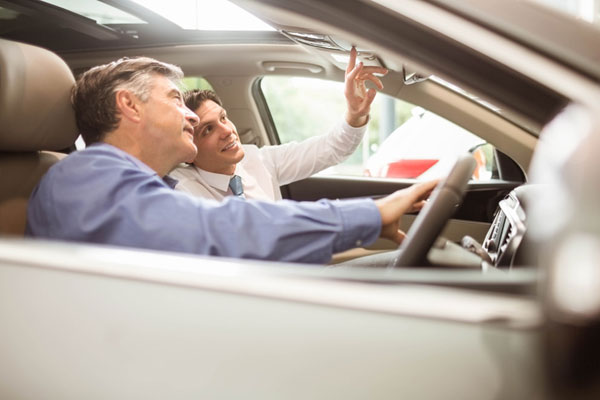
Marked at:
<point>294,161</point>
<point>358,97</point>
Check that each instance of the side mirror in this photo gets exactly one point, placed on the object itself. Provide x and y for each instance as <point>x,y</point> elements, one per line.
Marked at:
<point>494,164</point>
<point>484,157</point>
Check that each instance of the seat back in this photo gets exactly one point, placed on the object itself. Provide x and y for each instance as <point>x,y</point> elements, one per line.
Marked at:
<point>36,120</point>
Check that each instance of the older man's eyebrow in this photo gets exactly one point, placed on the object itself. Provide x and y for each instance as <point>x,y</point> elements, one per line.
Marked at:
<point>176,92</point>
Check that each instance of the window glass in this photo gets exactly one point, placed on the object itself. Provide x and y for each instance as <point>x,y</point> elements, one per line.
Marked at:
<point>585,10</point>
<point>100,12</point>
<point>195,82</point>
<point>208,15</point>
<point>6,14</point>
<point>403,140</point>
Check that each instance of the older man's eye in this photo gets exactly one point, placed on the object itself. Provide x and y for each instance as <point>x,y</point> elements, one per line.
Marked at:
<point>177,96</point>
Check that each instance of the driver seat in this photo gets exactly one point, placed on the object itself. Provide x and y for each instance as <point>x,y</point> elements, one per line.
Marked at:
<point>36,121</point>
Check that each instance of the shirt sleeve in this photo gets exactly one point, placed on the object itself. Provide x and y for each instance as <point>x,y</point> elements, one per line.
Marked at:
<point>298,160</point>
<point>135,208</point>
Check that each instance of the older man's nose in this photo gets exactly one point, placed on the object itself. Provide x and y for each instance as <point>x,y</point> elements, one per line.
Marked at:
<point>191,117</point>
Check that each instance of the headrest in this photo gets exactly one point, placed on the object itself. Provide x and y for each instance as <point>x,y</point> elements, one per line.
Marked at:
<point>35,105</point>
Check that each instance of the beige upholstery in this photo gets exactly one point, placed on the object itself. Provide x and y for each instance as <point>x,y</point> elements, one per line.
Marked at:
<point>36,118</point>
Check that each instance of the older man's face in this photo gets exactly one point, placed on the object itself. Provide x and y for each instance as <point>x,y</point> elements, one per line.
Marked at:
<point>168,124</point>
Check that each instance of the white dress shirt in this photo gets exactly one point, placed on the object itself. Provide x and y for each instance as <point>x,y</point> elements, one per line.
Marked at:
<point>263,170</point>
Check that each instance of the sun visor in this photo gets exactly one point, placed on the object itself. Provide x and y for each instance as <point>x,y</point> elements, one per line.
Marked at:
<point>338,49</point>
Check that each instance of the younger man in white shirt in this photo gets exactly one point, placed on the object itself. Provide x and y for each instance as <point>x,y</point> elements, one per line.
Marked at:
<point>263,170</point>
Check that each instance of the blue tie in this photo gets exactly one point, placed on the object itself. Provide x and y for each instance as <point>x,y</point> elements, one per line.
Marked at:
<point>235,184</point>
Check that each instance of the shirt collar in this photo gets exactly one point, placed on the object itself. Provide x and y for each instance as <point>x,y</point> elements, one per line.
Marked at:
<point>218,181</point>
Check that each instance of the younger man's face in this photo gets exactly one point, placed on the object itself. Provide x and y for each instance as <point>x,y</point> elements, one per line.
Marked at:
<point>217,140</point>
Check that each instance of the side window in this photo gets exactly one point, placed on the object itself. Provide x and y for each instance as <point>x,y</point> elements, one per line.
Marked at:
<point>403,140</point>
<point>195,82</point>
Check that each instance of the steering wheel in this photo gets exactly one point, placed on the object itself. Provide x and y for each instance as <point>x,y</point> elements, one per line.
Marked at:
<point>432,218</point>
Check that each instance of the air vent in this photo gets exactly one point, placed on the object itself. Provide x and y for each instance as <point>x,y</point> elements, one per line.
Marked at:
<point>512,231</point>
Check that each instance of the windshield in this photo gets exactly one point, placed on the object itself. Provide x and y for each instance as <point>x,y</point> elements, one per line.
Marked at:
<point>584,10</point>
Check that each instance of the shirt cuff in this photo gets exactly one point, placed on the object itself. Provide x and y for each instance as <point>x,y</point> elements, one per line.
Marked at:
<point>361,224</point>
<point>355,130</point>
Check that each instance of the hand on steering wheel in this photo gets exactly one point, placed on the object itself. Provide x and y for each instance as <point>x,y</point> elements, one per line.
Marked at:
<point>444,201</point>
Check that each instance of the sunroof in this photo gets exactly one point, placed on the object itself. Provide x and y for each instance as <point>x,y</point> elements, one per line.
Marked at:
<point>100,12</point>
<point>211,15</point>
<point>219,15</point>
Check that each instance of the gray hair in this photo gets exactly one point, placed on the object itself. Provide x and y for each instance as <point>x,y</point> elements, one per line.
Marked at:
<point>94,95</point>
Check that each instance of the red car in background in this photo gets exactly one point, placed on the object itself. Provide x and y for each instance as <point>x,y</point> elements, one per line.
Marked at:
<point>424,147</point>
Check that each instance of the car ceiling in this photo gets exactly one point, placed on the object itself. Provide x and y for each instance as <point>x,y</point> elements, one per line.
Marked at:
<point>421,47</point>
<point>82,43</point>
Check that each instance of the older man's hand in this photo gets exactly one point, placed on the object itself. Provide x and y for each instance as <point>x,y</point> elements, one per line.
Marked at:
<point>395,205</point>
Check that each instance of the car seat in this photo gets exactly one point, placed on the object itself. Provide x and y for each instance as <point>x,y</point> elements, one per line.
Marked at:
<point>36,121</point>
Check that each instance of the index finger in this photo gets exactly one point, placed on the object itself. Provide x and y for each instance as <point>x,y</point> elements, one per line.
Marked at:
<point>373,79</point>
<point>372,69</point>
<point>352,60</point>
